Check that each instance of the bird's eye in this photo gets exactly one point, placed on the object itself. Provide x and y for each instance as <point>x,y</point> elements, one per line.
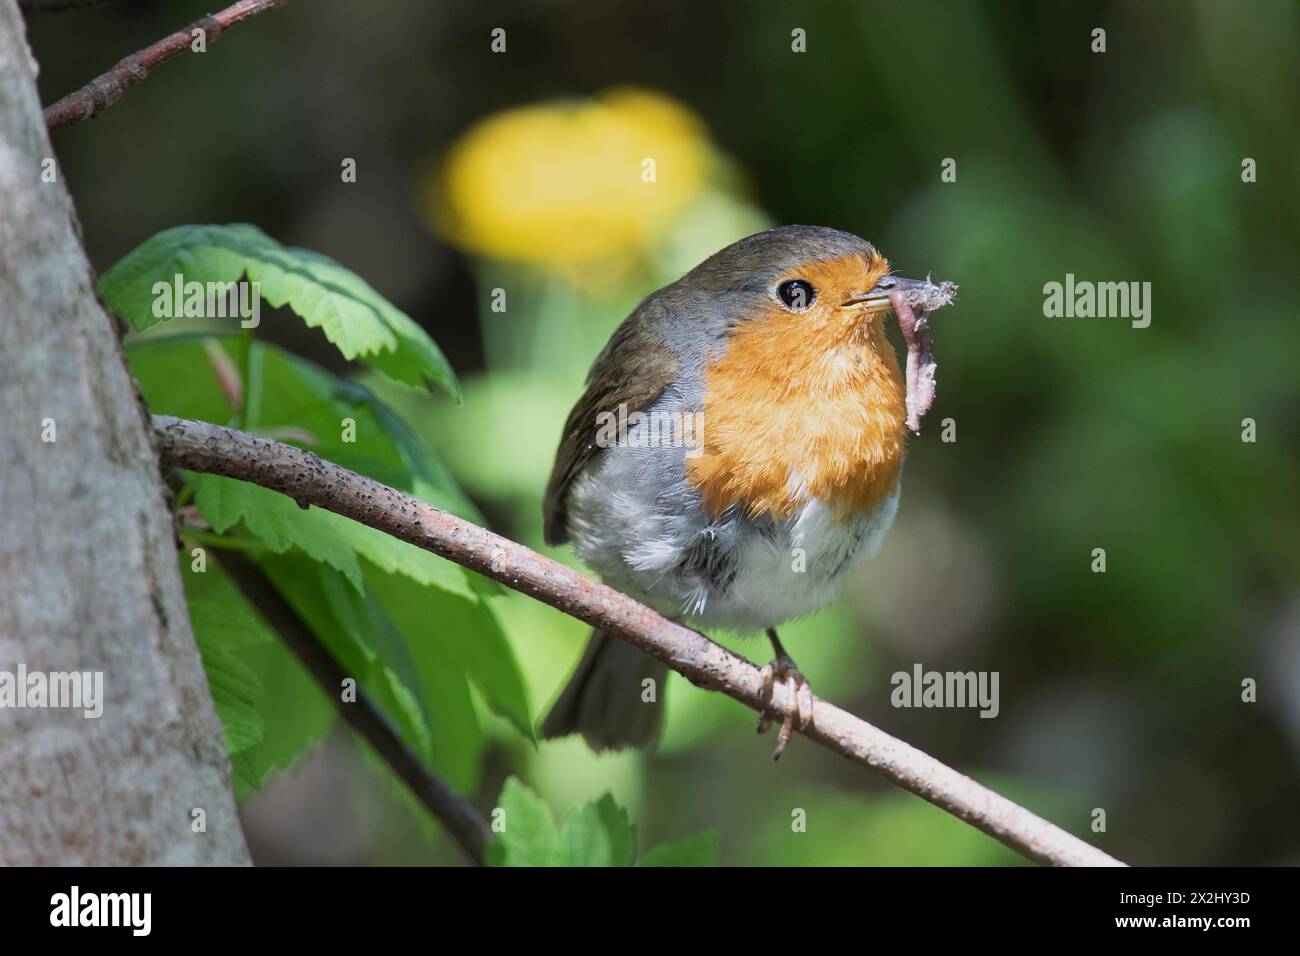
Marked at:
<point>796,294</point>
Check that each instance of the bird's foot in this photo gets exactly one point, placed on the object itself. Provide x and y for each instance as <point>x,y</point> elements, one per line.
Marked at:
<point>783,670</point>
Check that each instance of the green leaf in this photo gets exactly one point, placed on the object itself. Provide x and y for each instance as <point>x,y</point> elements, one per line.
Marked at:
<point>597,834</point>
<point>313,404</point>
<point>698,850</point>
<point>295,403</point>
<point>389,669</point>
<point>305,405</point>
<point>276,521</point>
<point>224,624</point>
<point>222,619</point>
<point>298,402</point>
<point>295,715</point>
<point>429,702</point>
<point>450,632</point>
<point>432,482</point>
<point>332,539</point>
<point>271,710</point>
<point>234,686</point>
<point>360,322</point>
<point>334,298</point>
<point>382,445</point>
<point>528,837</point>
<point>197,253</point>
<point>177,378</point>
<point>398,557</point>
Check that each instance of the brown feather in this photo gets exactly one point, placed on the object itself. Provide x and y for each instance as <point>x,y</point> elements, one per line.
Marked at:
<point>634,368</point>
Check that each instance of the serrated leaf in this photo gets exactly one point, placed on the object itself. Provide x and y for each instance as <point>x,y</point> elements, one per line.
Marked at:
<point>397,557</point>
<point>334,295</point>
<point>271,710</point>
<point>528,837</point>
<point>224,624</point>
<point>276,521</point>
<point>360,322</point>
<point>222,618</point>
<point>196,253</point>
<point>332,539</point>
<point>295,715</point>
<point>234,688</point>
<point>597,834</point>
<point>698,850</point>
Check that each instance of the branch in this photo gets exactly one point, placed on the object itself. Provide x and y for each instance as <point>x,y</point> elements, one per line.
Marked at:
<point>307,479</point>
<point>456,814</point>
<point>103,91</point>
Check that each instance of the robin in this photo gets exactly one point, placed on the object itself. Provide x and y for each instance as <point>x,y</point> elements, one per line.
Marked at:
<point>737,450</point>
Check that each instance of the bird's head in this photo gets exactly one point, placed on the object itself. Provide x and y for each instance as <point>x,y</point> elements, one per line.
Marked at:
<point>809,298</point>
<point>808,396</point>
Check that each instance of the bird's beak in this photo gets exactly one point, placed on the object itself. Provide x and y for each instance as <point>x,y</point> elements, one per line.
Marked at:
<point>876,299</point>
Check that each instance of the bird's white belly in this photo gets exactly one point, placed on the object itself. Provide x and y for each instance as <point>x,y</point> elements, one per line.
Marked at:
<point>803,575</point>
<point>643,529</point>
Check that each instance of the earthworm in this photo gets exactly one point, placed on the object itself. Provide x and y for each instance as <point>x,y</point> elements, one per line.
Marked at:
<point>913,307</point>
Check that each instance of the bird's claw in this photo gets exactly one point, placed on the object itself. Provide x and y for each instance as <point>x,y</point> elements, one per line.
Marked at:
<point>800,710</point>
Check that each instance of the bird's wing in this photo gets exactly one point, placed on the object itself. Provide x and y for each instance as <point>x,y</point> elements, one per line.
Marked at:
<point>634,369</point>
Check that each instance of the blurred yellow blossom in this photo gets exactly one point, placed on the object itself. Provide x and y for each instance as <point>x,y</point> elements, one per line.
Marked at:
<point>567,183</point>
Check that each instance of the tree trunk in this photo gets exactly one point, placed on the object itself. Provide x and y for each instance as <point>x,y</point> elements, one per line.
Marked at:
<point>89,580</point>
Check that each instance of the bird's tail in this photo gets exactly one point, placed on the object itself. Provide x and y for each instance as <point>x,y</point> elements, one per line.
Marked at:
<point>606,698</point>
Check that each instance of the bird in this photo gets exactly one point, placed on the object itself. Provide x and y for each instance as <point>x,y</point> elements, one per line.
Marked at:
<point>738,448</point>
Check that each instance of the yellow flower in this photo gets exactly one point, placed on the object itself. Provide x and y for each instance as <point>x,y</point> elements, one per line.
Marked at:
<point>569,183</point>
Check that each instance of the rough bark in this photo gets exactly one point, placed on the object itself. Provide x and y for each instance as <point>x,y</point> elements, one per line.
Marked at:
<point>88,572</point>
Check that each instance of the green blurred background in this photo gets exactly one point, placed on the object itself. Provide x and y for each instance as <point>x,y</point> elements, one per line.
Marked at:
<point>1119,691</point>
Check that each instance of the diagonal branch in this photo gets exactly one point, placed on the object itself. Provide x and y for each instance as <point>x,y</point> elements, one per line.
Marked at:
<point>103,91</point>
<point>308,479</point>
<point>454,812</point>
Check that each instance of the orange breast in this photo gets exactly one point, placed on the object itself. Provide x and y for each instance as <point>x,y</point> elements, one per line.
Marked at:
<point>795,410</point>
